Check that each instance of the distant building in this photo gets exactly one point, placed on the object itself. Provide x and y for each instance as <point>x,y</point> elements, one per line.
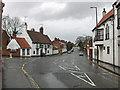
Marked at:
<point>59,45</point>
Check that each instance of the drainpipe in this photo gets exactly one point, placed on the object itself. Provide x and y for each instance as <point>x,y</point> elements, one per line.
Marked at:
<point>113,35</point>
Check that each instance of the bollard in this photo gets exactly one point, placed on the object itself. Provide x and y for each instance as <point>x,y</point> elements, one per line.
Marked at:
<point>10,55</point>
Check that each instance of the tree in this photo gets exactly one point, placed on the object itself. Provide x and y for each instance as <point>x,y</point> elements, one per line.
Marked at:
<point>69,45</point>
<point>12,25</point>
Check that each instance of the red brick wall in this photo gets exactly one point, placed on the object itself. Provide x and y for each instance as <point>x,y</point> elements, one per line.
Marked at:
<point>14,53</point>
<point>5,40</point>
<point>58,45</point>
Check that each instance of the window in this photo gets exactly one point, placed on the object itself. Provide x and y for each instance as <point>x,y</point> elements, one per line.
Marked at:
<point>23,51</point>
<point>37,51</point>
<point>48,46</point>
<point>99,35</point>
<point>48,51</point>
<point>37,45</point>
<point>33,52</point>
<point>107,32</point>
<point>104,47</point>
<point>28,51</point>
<point>118,16</point>
<point>108,50</point>
<point>41,46</point>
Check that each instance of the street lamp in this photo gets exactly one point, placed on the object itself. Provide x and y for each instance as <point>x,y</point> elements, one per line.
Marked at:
<point>96,31</point>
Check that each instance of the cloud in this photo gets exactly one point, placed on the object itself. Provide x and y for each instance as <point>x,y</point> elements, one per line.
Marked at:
<point>66,20</point>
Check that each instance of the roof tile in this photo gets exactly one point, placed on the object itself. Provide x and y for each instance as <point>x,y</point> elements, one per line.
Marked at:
<point>23,43</point>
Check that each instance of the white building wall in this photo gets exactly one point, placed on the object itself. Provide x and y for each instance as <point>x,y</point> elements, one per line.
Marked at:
<point>103,56</point>
<point>13,45</point>
<point>108,57</point>
<point>55,51</point>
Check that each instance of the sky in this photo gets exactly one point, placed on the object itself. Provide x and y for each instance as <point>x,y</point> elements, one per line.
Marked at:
<point>64,19</point>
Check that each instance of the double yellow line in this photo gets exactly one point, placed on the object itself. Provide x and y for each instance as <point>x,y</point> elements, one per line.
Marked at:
<point>33,81</point>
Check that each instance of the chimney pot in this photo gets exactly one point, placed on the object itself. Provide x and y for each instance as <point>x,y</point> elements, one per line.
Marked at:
<point>41,30</point>
<point>104,12</point>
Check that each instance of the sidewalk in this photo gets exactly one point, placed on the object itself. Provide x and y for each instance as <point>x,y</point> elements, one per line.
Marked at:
<point>107,66</point>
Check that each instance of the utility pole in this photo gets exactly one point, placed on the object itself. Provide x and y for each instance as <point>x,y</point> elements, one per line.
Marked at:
<point>97,32</point>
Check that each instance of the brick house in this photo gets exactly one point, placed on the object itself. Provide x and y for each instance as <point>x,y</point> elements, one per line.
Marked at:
<point>5,41</point>
<point>59,45</point>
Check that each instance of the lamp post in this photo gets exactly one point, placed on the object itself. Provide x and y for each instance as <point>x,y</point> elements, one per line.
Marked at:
<point>96,31</point>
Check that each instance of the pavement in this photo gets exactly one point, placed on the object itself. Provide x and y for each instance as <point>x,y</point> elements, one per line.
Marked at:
<point>59,71</point>
<point>108,67</point>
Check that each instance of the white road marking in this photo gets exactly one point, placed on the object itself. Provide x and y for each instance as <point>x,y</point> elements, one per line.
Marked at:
<point>77,67</point>
<point>91,82</point>
<point>63,60</point>
<point>72,71</point>
<point>89,79</point>
<point>62,67</point>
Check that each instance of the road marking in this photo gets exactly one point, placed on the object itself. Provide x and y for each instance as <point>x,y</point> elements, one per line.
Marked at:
<point>34,83</point>
<point>91,82</point>
<point>77,67</point>
<point>26,73</point>
<point>62,67</point>
<point>63,60</point>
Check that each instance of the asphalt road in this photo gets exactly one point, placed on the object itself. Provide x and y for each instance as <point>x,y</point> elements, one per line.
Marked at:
<point>58,71</point>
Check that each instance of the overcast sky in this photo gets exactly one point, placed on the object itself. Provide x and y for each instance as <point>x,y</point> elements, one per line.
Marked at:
<point>66,20</point>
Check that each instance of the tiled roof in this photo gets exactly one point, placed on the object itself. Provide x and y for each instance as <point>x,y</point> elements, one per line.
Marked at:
<point>23,43</point>
<point>37,37</point>
<point>106,17</point>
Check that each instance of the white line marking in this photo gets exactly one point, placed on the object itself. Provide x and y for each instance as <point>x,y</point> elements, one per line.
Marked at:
<point>72,71</point>
<point>63,60</point>
<point>62,67</point>
<point>91,83</point>
<point>89,79</point>
<point>77,67</point>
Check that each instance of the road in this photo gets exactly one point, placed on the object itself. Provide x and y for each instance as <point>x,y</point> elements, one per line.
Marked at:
<point>58,71</point>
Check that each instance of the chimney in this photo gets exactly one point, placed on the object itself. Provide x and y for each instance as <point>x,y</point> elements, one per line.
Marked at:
<point>55,39</point>
<point>14,36</point>
<point>104,12</point>
<point>26,26</point>
<point>41,30</point>
<point>32,29</point>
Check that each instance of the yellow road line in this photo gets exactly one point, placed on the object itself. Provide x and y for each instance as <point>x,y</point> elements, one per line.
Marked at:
<point>33,81</point>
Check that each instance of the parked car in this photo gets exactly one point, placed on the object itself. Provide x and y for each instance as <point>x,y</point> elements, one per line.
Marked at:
<point>81,53</point>
<point>69,52</point>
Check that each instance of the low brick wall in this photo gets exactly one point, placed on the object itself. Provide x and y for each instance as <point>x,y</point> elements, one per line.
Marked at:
<point>14,53</point>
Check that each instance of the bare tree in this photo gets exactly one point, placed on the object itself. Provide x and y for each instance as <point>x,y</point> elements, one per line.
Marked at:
<point>12,25</point>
